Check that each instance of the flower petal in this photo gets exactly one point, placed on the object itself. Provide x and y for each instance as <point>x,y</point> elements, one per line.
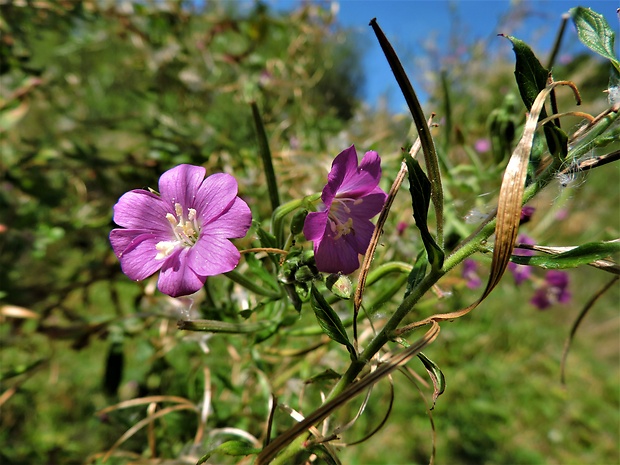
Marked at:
<point>314,225</point>
<point>136,252</point>
<point>215,196</point>
<point>344,164</point>
<point>213,255</point>
<point>180,184</point>
<point>335,256</point>
<point>176,277</point>
<point>364,179</point>
<point>141,209</point>
<point>359,240</point>
<point>233,223</point>
<point>367,206</point>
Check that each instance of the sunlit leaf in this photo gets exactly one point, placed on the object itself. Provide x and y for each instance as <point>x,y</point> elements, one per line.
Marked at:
<point>595,33</point>
<point>532,78</point>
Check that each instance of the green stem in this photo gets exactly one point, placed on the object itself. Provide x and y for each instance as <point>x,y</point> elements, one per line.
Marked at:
<point>252,285</point>
<point>277,219</point>
<point>468,247</point>
<point>214,326</point>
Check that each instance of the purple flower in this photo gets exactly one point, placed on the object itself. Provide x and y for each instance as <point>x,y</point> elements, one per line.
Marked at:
<point>526,214</point>
<point>554,290</point>
<point>184,231</point>
<point>482,145</point>
<point>521,273</point>
<point>342,229</point>
<point>470,273</point>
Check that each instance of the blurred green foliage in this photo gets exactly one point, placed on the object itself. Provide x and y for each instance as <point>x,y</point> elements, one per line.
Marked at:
<point>99,98</point>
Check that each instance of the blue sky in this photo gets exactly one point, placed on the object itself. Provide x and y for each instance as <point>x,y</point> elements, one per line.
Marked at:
<point>409,23</point>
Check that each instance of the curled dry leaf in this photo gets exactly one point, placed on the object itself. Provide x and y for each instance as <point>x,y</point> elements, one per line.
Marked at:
<point>508,208</point>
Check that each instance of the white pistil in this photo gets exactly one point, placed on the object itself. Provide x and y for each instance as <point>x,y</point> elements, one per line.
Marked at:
<point>186,231</point>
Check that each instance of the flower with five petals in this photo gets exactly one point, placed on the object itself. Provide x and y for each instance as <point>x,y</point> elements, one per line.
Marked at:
<point>184,231</point>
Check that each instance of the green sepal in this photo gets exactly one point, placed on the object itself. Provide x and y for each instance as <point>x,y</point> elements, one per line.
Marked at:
<point>298,220</point>
<point>330,321</point>
<point>420,188</point>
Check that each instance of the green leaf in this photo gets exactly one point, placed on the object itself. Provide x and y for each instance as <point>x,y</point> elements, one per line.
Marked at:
<point>265,153</point>
<point>326,375</point>
<point>234,448</point>
<point>266,239</point>
<point>582,255</point>
<point>417,273</point>
<point>531,78</point>
<point>439,380</point>
<point>330,321</point>
<point>420,188</point>
<point>595,33</point>
<point>421,124</point>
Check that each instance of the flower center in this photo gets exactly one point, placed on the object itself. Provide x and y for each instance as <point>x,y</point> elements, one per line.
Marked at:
<point>341,221</point>
<point>185,229</point>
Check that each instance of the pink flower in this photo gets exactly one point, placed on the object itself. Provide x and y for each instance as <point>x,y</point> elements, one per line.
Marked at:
<point>482,145</point>
<point>341,229</point>
<point>184,231</point>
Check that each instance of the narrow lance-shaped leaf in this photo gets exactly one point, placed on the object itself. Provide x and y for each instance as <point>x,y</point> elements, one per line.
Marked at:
<point>330,321</point>
<point>581,255</point>
<point>428,146</point>
<point>437,376</point>
<point>532,78</point>
<point>265,153</point>
<point>595,33</point>
<point>420,188</point>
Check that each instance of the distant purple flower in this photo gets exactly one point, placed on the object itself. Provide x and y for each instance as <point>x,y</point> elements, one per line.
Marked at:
<point>470,273</point>
<point>554,290</point>
<point>482,145</point>
<point>184,231</point>
<point>342,229</point>
<point>526,214</point>
<point>521,273</point>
